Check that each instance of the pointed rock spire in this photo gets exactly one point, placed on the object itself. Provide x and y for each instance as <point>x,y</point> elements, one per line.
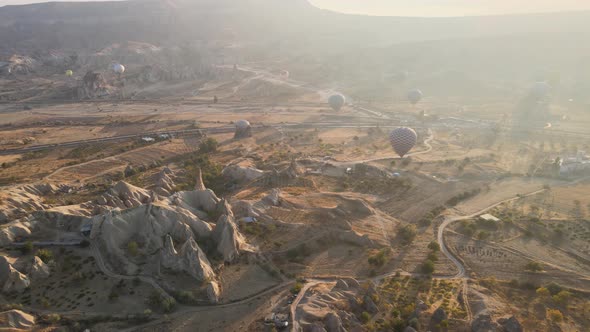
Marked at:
<point>200,185</point>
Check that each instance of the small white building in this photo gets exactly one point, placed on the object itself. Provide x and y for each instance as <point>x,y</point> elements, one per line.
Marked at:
<point>148,139</point>
<point>488,217</point>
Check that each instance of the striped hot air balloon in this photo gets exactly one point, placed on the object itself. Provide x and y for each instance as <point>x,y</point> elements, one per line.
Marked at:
<point>402,140</point>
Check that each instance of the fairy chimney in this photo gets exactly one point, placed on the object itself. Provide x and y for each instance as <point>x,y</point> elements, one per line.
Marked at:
<point>200,185</point>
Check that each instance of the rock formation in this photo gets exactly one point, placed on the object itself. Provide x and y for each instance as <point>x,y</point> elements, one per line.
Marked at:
<point>11,280</point>
<point>213,292</point>
<point>191,259</point>
<point>124,196</point>
<point>242,171</point>
<point>93,85</point>
<point>229,240</point>
<point>199,184</point>
<point>164,183</point>
<point>39,270</point>
<point>16,320</point>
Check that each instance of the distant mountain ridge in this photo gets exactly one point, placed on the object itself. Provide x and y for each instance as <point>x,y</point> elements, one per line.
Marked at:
<point>97,24</point>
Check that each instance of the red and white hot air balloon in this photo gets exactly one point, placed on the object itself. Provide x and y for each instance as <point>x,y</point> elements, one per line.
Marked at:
<point>403,140</point>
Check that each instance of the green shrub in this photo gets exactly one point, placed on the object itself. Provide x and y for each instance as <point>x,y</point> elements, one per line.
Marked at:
<point>45,255</point>
<point>427,267</point>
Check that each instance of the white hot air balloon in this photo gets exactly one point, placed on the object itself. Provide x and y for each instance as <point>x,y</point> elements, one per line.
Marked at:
<point>118,68</point>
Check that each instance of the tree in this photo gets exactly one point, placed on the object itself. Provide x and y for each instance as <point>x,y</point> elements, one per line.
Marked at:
<point>27,247</point>
<point>543,292</point>
<point>428,267</point>
<point>434,246</point>
<point>45,255</point>
<point>562,297</point>
<point>534,267</point>
<point>297,288</point>
<point>555,315</point>
<point>407,234</point>
<point>132,248</point>
<point>365,317</point>
<point>208,145</point>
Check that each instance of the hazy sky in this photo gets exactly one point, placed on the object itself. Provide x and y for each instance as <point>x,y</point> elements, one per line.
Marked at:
<point>429,7</point>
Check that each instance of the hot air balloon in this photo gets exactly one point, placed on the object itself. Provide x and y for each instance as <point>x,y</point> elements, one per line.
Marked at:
<point>118,68</point>
<point>242,124</point>
<point>402,140</point>
<point>415,96</point>
<point>285,74</point>
<point>69,73</point>
<point>336,101</point>
<point>243,129</point>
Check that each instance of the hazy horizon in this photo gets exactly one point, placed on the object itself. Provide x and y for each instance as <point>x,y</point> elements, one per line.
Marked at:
<point>428,8</point>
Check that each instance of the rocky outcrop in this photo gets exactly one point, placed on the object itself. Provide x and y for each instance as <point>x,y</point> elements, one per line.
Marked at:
<point>39,270</point>
<point>164,182</point>
<point>146,224</point>
<point>204,200</point>
<point>213,292</point>
<point>18,201</point>
<point>229,240</point>
<point>410,329</point>
<point>11,279</point>
<point>242,171</point>
<point>191,259</point>
<point>124,195</point>
<point>199,184</point>
<point>273,198</point>
<point>14,230</point>
<point>93,85</point>
<point>510,324</point>
<point>13,320</point>
<point>244,209</point>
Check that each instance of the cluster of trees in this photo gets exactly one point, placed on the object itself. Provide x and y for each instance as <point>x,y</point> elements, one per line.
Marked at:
<point>407,234</point>
<point>161,303</point>
<point>428,265</point>
<point>453,201</point>
<point>379,259</point>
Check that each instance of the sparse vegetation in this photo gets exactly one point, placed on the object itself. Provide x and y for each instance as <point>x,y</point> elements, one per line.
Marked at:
<point>534,267</point>
<point>407,234</point>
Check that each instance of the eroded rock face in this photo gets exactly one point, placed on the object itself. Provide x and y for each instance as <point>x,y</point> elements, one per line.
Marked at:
<point>124,196</point>
<point>213,292</point>
<point>273,198</point>
<point>241,171</point>
<point>164,182</point>
<point>39,270</point>
<point>16,319</point>
<point>228,238</point>
<point>191,259</point>
<point>146,224</point>
<point>12,280</point>
<point>93,85</point>
<point>14,230</point>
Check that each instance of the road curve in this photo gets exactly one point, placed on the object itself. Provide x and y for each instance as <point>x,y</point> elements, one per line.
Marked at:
<point>452,219</point>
